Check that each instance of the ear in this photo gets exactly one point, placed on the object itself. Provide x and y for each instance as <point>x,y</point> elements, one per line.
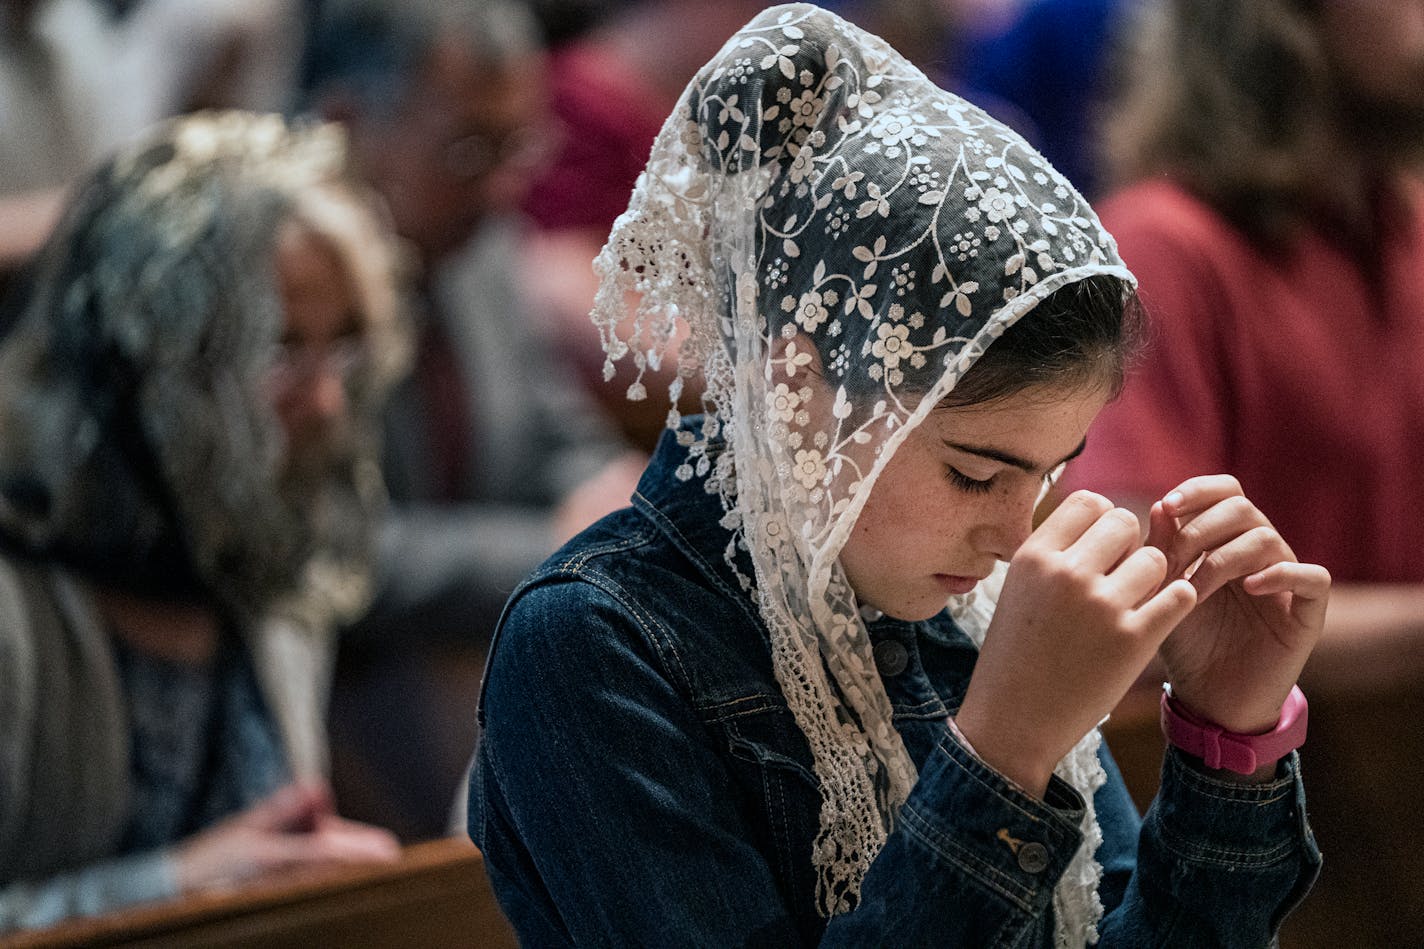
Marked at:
<point>797,362</point>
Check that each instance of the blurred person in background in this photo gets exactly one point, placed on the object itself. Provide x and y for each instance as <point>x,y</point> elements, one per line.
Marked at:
<point>1273,212</point>
<point>1045,71</point>
<point>494,454</point>
<point>1268,154</point>
<point>187,488</point>
<point>611,88</point>
<point>80,78</point>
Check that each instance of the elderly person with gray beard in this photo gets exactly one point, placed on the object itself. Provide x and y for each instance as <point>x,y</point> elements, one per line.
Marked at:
<point>187,484</point>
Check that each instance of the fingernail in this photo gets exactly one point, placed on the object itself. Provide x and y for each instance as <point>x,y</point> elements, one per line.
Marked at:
<point>1173,499</point>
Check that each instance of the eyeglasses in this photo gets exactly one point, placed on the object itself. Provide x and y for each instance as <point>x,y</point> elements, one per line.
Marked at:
<point>295,363</point>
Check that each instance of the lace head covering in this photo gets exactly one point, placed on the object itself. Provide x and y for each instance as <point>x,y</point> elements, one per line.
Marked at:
<point>814,186</point>
<point>138,439</point>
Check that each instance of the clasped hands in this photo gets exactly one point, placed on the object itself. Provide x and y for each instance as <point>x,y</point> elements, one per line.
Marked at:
<point>1087,604</point>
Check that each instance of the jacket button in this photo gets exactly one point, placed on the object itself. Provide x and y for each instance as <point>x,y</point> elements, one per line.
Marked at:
<point>891,657</point>
<point>1033,858</point>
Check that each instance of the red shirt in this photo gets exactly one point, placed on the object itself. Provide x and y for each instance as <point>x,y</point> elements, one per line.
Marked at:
<point>1301,373</point>
<point>610,118</point>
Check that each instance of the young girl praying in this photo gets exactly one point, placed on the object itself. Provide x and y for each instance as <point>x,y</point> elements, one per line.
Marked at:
<point>824,682</point>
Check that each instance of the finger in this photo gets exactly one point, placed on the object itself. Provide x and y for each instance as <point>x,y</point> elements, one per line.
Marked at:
<point>1308,584</point>
<point>1162,533</point>
<point>1139,575</point>
<point>1215,527</point>
<point>1198,494</point>
<point>1242,556</point>
<point>1107,541</point>
<point>293,807</point>
<point>1161,527</point>
<point>325,847</point>
<point>1166,609</point>
<point>276,810</point>
<point>1079,511</point>
<point>349,840</point>
<point>330,844</point>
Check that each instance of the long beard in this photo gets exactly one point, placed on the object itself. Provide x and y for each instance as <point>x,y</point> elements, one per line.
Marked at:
<point>330,489</point>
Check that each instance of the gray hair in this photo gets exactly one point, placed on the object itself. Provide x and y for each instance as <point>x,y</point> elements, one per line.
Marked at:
<point>138,444</point>
<point>373,49</point>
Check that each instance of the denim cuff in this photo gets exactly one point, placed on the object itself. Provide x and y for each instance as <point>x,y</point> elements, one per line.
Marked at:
<point>984,825</point>
<point>1213,822</point>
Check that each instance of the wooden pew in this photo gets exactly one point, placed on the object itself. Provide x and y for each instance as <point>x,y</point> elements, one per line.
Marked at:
<point>436,896</point>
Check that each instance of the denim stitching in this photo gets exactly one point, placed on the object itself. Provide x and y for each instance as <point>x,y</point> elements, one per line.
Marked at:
<point>949,850</point>
<point>1044,819</point>
<point>1196,854</point>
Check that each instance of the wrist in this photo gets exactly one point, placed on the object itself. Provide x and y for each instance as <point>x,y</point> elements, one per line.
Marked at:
<point>1004,754</point>
<point>1251,755</point>
<point>1223,708</point>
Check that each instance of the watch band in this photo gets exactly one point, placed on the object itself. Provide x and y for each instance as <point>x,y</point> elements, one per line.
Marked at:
<point>1219,748</point>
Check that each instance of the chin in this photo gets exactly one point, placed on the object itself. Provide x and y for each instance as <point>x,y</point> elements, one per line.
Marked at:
<point>912,612</point>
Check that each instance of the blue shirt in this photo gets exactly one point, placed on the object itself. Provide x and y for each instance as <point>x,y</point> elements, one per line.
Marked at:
<point>641,781</point>
<point>203,744</point>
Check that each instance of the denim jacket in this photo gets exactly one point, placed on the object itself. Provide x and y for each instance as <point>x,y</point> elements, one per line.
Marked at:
<point>640,780</point>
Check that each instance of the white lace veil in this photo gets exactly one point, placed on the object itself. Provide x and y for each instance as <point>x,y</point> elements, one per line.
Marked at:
<point>812,185</point>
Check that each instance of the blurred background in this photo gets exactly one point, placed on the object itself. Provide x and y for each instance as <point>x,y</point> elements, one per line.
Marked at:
<point>1257,162</point>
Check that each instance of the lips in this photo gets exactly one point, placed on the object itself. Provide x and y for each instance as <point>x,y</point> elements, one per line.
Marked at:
<point>955,585</point>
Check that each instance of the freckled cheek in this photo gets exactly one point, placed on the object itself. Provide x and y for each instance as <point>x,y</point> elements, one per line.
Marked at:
<point>919,532</point>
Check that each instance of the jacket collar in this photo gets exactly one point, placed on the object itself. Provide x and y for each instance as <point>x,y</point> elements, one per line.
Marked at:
<point>687,512</point>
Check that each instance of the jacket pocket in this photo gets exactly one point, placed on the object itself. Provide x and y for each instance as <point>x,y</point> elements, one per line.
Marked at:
<point>771,763</point>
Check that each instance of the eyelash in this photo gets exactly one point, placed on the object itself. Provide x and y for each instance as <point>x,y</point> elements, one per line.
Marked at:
<point>965,483</point>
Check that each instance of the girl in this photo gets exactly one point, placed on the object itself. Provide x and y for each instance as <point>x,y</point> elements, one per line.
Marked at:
<point>824,683</point>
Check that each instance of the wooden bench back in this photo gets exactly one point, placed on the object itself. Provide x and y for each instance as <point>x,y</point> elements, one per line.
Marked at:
<point>436,896</point>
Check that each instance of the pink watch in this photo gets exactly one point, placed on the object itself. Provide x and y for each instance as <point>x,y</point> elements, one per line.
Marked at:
<point>1219,748</point>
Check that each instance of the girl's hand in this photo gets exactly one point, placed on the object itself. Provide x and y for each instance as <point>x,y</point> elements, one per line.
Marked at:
<point>1082,612</point>
<point>1259,612</point>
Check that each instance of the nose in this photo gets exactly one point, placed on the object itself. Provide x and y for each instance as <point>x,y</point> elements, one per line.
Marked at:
<point>327,396</point>
<point>1006,525</point>
<point>312,402</point>
<point>502,188</point>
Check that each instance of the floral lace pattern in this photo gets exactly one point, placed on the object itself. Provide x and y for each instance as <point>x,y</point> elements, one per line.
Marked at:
<point>843,240</point>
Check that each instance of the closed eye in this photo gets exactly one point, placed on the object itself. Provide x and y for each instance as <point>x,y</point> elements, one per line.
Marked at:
<point>965,483</point>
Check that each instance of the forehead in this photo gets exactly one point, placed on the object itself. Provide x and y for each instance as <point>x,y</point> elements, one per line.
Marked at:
<point>1040,424</point>
<point>458,84</point>
<point>318,295</point>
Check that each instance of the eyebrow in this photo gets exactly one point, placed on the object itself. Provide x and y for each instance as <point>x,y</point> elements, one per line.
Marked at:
<point>1023,464</point>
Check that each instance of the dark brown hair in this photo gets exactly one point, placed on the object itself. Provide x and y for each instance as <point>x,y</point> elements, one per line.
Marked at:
<point>1239,102</point>
<point>1083,334</point>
